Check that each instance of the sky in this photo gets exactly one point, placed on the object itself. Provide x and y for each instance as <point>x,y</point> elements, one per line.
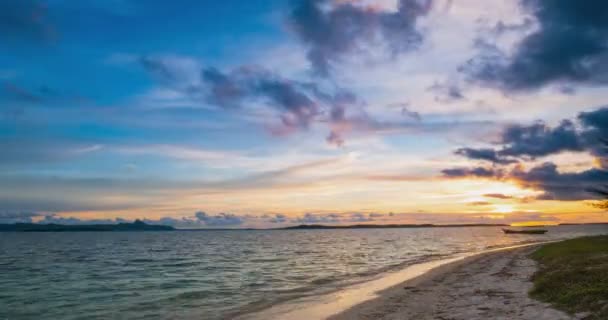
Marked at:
<point>268,113</point>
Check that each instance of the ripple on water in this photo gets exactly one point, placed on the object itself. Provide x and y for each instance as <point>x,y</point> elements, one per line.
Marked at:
<point>211,275</point>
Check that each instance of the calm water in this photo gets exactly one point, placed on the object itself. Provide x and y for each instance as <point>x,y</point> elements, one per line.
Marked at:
<point>212,275</point>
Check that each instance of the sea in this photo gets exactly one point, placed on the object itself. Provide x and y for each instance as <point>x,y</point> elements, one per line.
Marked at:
<point>217,274</point>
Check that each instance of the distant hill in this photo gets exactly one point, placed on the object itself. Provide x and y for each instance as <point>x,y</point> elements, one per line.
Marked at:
<point>388,226</point>
<point>138,225</point>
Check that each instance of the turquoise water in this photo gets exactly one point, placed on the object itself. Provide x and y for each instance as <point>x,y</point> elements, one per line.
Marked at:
<point>213,274</point>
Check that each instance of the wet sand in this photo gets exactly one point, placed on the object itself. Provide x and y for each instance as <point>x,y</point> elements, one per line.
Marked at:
<point>492,285</point>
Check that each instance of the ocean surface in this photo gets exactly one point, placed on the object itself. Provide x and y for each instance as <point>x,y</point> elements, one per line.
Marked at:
<point>214,274</point>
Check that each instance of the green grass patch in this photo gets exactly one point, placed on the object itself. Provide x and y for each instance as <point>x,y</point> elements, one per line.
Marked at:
<point>573,275</point>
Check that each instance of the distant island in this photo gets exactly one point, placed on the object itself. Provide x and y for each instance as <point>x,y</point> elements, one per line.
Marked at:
<point>137,225</point>
<point>389,226</point>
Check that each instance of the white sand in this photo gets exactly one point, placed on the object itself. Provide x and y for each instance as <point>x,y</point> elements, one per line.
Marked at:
<point>488,286</point>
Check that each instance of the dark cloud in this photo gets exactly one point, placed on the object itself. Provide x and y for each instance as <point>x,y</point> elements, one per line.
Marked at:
<point>560,186</point>
<point>478,172</point>
<point>568,47</point>
<point>539,140</point>
<point>486,154</point>
<point>222,219</point>
<point>595,131</point>
<point>333,30</point>
<point>299,103</point>
<point>24,21</point>
<point>546,178</point>
<point>596,119</point>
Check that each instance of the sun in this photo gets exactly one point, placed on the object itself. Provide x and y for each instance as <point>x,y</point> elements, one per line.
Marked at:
<point>503,208</point>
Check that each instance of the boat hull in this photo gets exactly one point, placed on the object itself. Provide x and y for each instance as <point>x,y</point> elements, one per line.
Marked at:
<point>536,231</point>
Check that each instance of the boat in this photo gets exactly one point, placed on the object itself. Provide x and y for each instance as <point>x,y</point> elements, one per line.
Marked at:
<point>530,231</point>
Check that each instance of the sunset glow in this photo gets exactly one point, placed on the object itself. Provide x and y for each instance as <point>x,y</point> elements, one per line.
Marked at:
<point>294,112</point>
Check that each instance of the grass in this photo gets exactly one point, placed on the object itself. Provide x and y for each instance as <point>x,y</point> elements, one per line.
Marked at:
<point>573,276</point>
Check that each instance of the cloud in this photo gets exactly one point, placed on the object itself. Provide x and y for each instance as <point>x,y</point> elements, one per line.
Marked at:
<point>174,71</point>
<point>595,130</point>
<point>279,218</point>
<point>317,218</point>
<point>253,90</point>
<point>497,196</point>
<point>567,47</point>
<point>477,172</point>
<point>334,218</point>
<point>334,29</point>
<point>527,142</point>
<point>199,220</point>
<point>222,219</point>
<point>479,203</point>
<point>486,154</point>
<point>360,217</point>
<point>412,114</point>
<point>554,185</point>
<point>447,92</point>
<point>406,111</point>
<point>540,140</point>
<point>297,103</point>
<point>465,218</point>
<point>559,186</point>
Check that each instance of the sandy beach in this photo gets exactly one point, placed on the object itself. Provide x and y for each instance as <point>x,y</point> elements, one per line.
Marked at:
<point>488,286</point>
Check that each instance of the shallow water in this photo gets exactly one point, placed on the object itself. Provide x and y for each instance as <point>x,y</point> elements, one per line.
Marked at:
<point>214,274</point>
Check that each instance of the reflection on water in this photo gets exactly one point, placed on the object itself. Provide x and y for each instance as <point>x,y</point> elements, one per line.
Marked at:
<point>214,273</point>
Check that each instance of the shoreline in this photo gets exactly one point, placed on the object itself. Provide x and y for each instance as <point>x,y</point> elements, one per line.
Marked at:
<point>490,285</point>
<point>347,302</point>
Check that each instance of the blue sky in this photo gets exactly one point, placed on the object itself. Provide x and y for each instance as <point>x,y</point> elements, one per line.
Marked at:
<point>265,113</point>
